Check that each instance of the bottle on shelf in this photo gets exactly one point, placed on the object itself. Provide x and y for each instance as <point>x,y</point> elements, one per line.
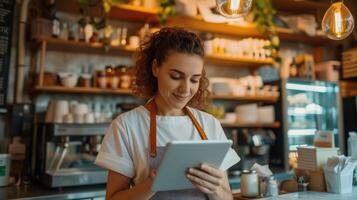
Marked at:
<point>293,68</point>
<point>56,24</point>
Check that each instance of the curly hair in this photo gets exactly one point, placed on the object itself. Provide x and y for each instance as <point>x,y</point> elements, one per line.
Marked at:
<point>158,47</point>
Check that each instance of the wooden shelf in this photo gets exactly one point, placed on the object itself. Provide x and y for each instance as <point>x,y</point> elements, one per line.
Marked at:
<point>95,90</point>
<point>253,125</point>
<point>80,90</point>
<point>238,61</point>
<point>83,47</point>
<point>268,99</point>
<point>300,6</point>
<point>142,14</point>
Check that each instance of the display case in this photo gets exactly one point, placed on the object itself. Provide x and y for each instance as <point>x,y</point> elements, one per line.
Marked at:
<point>311,106</point>
<point>304,107</point>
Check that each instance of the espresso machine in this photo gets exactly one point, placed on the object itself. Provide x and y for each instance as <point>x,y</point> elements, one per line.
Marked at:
<point>65,154</point>
<point>252,146</point>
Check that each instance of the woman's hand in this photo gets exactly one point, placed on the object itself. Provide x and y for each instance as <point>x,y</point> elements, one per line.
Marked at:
<point>210,181</point>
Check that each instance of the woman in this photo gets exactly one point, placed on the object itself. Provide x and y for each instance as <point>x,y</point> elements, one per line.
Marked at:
<point>169,71</point>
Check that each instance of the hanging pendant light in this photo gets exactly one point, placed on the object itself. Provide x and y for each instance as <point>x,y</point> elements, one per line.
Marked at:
<point>338,21</point>
<point>234,8</point>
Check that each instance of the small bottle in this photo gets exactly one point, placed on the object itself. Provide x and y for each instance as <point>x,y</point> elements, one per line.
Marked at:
<point>123,36</point>
<point>56,25</point>
<point>293,69</point>
<point>272,187</point>
<point>64,31</point>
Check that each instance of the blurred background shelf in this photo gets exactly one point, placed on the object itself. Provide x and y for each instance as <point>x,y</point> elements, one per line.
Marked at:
<point>251,125</point>
<point>80,90</point>
<point>142,14</point>
<point>57,44</point>
<point>268,99</point>
<point>85,47</point>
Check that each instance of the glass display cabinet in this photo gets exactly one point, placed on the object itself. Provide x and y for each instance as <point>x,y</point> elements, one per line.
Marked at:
<point>305,106</point>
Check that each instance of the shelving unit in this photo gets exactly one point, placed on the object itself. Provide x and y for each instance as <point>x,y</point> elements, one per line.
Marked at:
<point>76,46</point>
<point>143,14</point>
<point>147,15</point>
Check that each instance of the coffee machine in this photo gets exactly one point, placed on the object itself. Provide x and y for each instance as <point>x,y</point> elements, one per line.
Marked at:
<point>252,146</point>
<point>65,154</point>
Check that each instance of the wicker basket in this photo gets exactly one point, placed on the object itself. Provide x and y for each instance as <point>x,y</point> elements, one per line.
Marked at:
<point>41,27</point>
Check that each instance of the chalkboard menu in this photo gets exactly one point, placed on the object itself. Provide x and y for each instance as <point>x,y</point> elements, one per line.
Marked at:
<point>6,18</point>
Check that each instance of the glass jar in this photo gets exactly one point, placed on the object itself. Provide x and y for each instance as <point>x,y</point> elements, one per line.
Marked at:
<point>249,183</point>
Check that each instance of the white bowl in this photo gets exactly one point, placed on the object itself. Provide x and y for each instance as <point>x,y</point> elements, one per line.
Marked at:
<point>68,80</point>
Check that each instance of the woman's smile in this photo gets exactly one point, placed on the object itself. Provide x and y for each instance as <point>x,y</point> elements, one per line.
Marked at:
<point>181,98</point>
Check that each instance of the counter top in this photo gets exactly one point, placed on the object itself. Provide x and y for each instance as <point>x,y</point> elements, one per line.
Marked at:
<point>309,195</point>
<point>36,191</point>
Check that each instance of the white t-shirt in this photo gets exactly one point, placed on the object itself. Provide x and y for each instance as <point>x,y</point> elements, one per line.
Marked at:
<point>125,147</point>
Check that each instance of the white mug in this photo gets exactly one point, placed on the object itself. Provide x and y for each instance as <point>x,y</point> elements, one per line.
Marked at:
<point>89,118</point>
<point>68,118</point>
<point>78,118</point>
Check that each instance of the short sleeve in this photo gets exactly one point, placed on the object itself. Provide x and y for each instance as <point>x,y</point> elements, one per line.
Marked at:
<point>219,130</point>
<point>114,153</point>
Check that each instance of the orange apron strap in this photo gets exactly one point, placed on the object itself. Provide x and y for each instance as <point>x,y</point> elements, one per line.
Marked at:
<point>197,125</point>
<point>151,106</point>
<point>152,109</point>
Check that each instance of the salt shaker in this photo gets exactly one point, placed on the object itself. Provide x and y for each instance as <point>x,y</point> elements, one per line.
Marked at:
<point>272,187</point>
<point>249,183</point>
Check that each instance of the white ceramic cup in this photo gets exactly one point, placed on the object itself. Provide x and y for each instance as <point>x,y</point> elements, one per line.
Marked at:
<point>61,109</point>
<point>89,118</point>
<point>81,109</point>
<point>68,118</point>
<point>78,118</point>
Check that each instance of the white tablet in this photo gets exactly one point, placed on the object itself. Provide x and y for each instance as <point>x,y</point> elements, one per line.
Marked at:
<point>181,155</point>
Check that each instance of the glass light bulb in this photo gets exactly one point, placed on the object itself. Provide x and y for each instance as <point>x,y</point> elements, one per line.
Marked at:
<point>234,8</point>
<point>338,21</point>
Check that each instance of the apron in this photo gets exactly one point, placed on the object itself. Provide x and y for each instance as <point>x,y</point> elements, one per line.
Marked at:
<point>156,155</point>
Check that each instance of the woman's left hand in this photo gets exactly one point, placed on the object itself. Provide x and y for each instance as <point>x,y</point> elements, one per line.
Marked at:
<point>211,181</point>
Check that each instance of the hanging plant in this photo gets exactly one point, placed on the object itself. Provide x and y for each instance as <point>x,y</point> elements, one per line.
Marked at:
<point>263,13</point>
<point>87,8</point>
<point>167,9</point>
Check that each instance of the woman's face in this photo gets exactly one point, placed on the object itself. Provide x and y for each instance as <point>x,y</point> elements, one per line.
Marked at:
<point>178,79</point>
